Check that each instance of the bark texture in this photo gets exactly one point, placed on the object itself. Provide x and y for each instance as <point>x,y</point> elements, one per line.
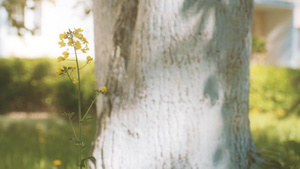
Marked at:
<point>177,72</point>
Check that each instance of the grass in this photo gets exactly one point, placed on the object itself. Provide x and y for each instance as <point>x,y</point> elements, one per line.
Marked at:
<point>277,138</point>
<point>35,144</point>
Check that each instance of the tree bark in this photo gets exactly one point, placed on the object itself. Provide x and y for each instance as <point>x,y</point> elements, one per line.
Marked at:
<point>177,73</point>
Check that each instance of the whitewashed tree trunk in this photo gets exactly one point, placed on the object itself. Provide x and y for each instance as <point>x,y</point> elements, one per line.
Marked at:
<point>177,72</point>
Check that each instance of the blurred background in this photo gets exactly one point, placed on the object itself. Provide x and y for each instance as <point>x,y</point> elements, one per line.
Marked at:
<point>34,135</point>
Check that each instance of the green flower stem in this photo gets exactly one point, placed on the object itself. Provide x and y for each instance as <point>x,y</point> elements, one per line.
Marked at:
<point>84,65</point>
<point>87,112</point>
<point>79,109</point>
<point>70,120</point>
<point>72,82</point>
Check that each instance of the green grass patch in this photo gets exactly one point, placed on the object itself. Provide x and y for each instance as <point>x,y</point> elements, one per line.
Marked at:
<point>36,144</point>
<point>277,138</point>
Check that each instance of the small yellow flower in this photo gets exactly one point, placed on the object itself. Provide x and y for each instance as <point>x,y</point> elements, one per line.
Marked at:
<point>89,58</point>
<point>64,67</point>
<point>60,58</point>
<point>84,50</point>
<point>74,67</point>
<point>78,30</point>
<point>78,35</point>
<point>66,54</point>
<point>57,162</point>
<point>84,40</point>
<point>62,43</point>
<point>63,36</point>
<point>59,71</point>
<point>42,140</point>
<point>75,81</point>
<point>104,90</point>
<point>77,45</point>
<point>70,43</point>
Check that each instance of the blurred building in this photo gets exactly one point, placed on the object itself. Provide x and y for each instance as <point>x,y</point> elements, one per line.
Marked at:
<point>49,18</point>
<point>277,22</point>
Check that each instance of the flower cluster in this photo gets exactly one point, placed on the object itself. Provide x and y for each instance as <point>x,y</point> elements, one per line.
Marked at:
<point>64,69</point>
<point>76,40</point>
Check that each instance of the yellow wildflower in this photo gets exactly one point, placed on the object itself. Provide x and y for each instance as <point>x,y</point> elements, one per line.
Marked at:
<point>63,36</point>
<point>70,43</point>
<point>59,59</point>
<point>59,71</point>
<point>78,30</point>
<point>62,43</point>
<point>104,90</point>
<point>89,58</point>
<point>74,67</point>
<point>77,45</point>
<point>42,140</point>
<point>66,54</point>
<point>84,40</point>
<point>78,35</point>
<point>84,50</point>
<point>64,67</point>
<point>57,162</point>
<point>75,81</point>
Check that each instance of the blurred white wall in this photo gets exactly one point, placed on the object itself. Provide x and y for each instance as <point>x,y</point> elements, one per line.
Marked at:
<point>53,18</point>
<point>274,22</point>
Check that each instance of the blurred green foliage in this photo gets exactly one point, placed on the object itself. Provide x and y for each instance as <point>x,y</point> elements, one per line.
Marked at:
<point>32,85</point>
<point>274,89</point>
<point>258,45</point>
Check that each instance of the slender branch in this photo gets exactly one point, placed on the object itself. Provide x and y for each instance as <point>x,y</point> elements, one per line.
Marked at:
<point>84,65</point>
<point>72,82</point>
<point>79,107</point>
<point>73,128</point>
<point>97,94</point>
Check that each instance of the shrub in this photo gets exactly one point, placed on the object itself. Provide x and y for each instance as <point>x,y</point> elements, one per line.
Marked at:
<point>274,89</point>
<point>32,85</point>
<point>258,45</point>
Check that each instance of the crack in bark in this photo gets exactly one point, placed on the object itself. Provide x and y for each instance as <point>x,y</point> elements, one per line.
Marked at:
<point>102,158</point>
<point>124,27</point>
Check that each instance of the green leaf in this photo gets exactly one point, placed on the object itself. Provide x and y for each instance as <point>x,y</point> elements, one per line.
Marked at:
<point>85,159</point>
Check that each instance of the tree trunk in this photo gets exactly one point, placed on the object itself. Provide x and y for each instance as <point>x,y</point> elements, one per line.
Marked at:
<point>177,73</point>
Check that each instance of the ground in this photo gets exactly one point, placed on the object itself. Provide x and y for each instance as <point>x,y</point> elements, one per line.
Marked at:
<point>41,142</point>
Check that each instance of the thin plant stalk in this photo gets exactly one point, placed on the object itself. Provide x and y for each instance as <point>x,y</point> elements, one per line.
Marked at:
<point>65,71</point>
<point>79,110</point>
<point>87,112</point>
<point>70,120</point>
